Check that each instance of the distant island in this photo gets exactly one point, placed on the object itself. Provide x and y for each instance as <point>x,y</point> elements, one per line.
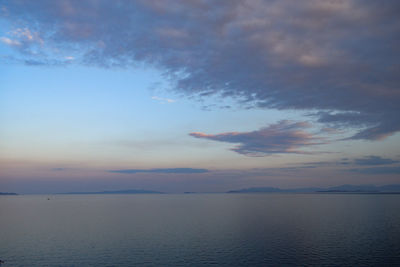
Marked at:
<point>386,189</point>
<point>8,194</point>
<point>132,191</point>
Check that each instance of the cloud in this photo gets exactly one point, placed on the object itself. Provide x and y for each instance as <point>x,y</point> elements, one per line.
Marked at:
<point>338,59</point>
<point>163,100</point>
<point>25,41</point>
<point>59,169</point>
<point>46,63</point>
<point>9,41</point>
<point>377,170</point>
<point>374,160</point>
<point>364,161</point>
<point>282,137</point>
<point>167,170</point>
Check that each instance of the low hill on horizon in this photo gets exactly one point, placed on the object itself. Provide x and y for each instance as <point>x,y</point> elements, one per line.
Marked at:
<point>130,191</point>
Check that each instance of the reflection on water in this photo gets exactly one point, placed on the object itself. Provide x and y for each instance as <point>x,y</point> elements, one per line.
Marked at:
<point>200,230</point>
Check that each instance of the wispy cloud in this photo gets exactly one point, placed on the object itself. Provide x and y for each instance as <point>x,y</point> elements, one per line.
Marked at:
<point>163,100</point>
<point>374,160</point>
<point>165,170</point>
<point>282,137</point>
<point>24,40</point>
<point>304,55</point>
<point>377,170</point>
<point>364,161</point>
<point>9,41</point>
<point>59,169</point>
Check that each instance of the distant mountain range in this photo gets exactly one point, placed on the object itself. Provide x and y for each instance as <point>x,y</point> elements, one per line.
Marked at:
<point>8,194</point>
<point>133,191</point>
<point>373,189</point>
<point>395,188</point>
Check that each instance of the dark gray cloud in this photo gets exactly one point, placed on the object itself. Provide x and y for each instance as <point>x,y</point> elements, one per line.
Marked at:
<point>364,161</point>
<point>377,170</point>
<point>338,59</point>
<point>58,169</point>
<point>374,160</point>
<point>282,137</point>
<point>165,170</point>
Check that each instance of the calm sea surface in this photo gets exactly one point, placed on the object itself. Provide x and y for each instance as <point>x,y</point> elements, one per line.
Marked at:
<point>200,230</point>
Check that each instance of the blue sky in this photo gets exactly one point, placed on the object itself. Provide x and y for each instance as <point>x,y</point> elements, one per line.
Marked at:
<point>197,95</point>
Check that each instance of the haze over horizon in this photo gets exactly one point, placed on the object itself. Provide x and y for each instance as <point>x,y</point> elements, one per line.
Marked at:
<point>204,96</point>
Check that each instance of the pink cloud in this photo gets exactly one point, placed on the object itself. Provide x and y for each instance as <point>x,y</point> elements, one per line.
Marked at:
<point>282,137</point>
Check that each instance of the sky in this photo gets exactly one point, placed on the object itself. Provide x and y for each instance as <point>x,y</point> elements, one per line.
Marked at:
<point>200,95</point>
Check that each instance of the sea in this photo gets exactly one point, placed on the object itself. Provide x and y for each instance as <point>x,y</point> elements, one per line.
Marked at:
<point>200,230</point>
